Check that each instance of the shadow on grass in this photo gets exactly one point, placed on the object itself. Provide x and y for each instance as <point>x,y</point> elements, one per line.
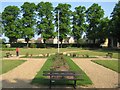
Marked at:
<point>45,82</point>
<point>20,84</point>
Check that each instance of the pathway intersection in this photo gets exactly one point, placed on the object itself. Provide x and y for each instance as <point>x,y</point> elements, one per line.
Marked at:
<point>21,76</point>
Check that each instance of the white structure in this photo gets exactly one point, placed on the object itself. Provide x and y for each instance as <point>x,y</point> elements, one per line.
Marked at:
<point>21,40</point>
<point>71,40</point>
<point>52,40</point>
<point>55,40</point>
<point>105,44</point>
<point>8,45</point>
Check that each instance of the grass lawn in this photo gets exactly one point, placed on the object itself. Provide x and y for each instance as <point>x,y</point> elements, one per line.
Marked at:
<point>9,65</point>
<point>40,79</point>
<point>111,64</point>
<point>37,51</point>
<point>98,53</point>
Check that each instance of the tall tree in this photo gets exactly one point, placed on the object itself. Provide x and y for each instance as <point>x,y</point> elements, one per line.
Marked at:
<point>45,25</point>
<point>78,22</point>
<point>1,25</point>
<point>9,19</point>
<point>102,30</point>
<point>93,14</point>
<point>115,22</point>
<point>64,20</point>
<point>28,20</point>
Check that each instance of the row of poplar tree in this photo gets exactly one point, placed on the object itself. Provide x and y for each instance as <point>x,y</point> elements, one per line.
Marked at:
<point>42,19</point>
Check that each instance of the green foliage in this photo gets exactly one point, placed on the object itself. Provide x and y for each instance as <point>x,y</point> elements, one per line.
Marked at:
<point>94,14</point>
<point>10,19</point>
<point>64,20</point>
<point>45,25</point>
<point>28,20</point>
<point>1,25</point>
<point>78,22</point>
<point>115,22</point>
<point>16,23</point>
<point>102,30</point>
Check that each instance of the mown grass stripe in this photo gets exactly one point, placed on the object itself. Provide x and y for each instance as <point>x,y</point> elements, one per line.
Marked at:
<point>110,64</point>
<point>40,79</point>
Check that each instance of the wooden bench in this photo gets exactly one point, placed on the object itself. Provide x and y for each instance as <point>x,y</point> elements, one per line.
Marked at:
<point>62,75</point>
<point>109,54</point>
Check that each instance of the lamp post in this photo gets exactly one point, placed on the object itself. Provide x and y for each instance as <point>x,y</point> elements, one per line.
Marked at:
<point>58,32</point>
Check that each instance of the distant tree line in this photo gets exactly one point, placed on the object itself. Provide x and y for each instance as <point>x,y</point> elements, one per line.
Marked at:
<point>42,19</point>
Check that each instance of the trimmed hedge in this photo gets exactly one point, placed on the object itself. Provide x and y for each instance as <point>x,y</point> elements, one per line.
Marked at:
<point>42,45</point>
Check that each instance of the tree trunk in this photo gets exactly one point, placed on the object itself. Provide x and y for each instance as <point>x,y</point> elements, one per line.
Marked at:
<point>27,43</point>
<point>44,43</point>
<point>94,41</point>
<point>109,42</point>
<point>77,43</point>
<point>115,42</point>
<point>61,44</point>
<point>112,42</point>
<point>27,40</point>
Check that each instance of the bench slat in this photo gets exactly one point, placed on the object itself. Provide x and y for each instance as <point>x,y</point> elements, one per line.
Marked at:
<point>53,76</point>
<point>64,79</point>
<point>64,74</point>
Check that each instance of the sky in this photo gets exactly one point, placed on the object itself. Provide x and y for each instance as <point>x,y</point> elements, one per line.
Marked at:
<point>107,5</point>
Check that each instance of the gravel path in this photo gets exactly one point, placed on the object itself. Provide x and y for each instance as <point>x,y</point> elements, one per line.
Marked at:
<point>21,76</point>
<point>100,76</point>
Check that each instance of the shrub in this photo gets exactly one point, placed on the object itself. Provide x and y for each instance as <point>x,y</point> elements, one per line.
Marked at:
<point>32,45</point>
<point>74,55</point>
<point>87,55</point>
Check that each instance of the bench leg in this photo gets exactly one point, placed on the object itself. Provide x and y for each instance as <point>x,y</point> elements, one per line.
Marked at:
<point>50,84</point>
<point>74,84</point>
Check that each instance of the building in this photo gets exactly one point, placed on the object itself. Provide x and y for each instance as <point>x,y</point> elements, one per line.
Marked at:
<point>69,40</point>
<point>21,40</point>
<point>55,40</point>
<point>32,41</point>
<point>105,44</point>
<point>39,40</point>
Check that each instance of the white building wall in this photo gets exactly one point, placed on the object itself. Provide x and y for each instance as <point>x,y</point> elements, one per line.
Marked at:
<point>71,40</point>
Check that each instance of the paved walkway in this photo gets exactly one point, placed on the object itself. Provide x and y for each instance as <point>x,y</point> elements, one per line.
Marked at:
<point>21,76</point>
<point>100,76</point>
